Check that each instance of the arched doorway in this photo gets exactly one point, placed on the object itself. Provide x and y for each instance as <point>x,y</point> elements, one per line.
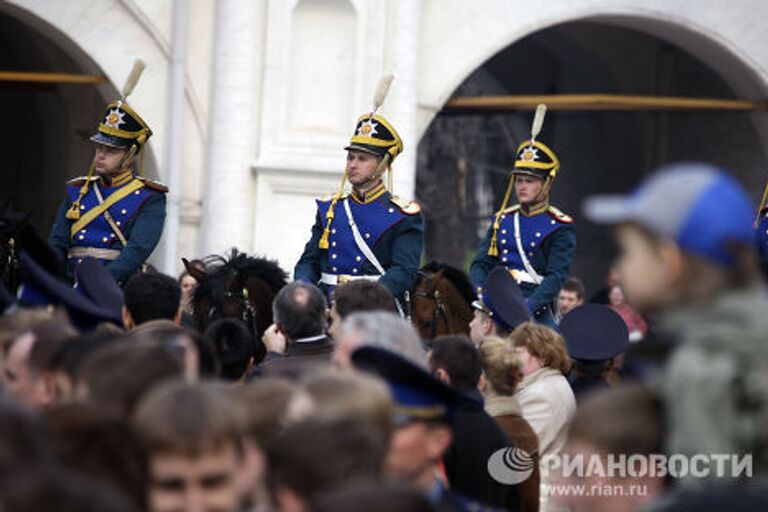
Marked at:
<point>45,128</point>
<point>464,161</point>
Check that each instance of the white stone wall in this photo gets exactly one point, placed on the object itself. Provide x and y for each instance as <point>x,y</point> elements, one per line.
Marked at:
<point>311,67</point>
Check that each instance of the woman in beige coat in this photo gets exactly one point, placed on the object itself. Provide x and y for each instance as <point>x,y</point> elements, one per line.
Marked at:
<point>546,399</point>
<point>502,371</point>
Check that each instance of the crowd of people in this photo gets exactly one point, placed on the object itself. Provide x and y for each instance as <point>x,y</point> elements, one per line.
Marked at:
<point>130,392</point>
<point>351,410</point>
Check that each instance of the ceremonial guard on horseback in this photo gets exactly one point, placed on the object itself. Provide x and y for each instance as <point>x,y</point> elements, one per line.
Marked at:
<point>532,239</point>
<point>112,214</point>
<point>761,232</point>
<point>367,233</point>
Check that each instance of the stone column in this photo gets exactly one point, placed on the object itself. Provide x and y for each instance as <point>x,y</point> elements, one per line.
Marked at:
<point>403,39</point>
<point>174,156</point>
<point>233,127</point>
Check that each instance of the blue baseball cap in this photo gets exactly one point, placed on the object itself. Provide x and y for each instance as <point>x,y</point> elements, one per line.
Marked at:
<point>699,206</point>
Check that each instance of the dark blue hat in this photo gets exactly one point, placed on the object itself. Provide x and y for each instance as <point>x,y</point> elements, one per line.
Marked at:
<point>376,135</point>
<point>121,127</point>
<point>98,285</point>
<point>41,289</point>
<point>594,332</point>
<point>504,299</point>
<point>418,396</point>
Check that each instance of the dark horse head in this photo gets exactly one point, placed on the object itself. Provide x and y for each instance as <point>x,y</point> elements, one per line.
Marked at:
<point>237,286</point>
<point>18,235</point>
<point>441,302</point>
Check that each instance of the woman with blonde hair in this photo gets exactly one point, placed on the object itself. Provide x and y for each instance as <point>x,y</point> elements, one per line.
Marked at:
<point>502,372</point>
<point>546,399</point>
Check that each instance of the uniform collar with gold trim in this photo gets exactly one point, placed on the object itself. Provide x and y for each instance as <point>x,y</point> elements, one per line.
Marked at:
<point>369,196</point>
<point>534,209</point>
<point>119,180</point>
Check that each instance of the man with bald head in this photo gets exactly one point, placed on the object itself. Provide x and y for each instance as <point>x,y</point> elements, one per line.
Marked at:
<point>297,339</point>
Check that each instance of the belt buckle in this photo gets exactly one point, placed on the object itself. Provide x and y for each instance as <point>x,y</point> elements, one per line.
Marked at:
<point>342,279</point>
<point>516,275</point>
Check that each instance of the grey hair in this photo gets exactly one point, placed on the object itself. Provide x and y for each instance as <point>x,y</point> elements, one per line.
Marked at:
<point>386,330</point>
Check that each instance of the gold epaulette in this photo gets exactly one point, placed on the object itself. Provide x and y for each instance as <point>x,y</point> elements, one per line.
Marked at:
<point>330,197</point>
<point>512,209</point>
<point>78,182</point>
<point>407,207</point>
<point>560,216</point>
<point>153,185</point>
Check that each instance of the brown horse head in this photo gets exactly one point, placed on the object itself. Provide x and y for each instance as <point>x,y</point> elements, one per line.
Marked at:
<point>441,301</point>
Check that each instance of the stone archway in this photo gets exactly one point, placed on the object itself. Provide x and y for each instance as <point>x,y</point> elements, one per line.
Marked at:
<point>45,129</point>
<point>601,152</point>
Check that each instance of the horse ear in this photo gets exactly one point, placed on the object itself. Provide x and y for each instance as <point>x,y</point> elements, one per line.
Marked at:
<point>196,268</point>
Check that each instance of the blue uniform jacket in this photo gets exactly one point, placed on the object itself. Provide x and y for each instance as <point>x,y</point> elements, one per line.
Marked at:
<point>140,217</point>
<point>392,228</point>
<point>549,240</point>
<point>761,237</point>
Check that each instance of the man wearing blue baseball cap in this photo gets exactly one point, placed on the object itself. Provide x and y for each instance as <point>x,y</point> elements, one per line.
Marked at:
<point>687,254</point>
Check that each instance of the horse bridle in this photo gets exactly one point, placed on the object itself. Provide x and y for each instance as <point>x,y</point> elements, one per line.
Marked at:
<point>442,309</point>
<point>10,267</point>
<point>249,313</point>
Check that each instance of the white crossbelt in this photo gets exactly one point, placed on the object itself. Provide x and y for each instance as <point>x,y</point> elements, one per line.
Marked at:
<point>337,279</point>
<point>360,242</point>
<point>530,273</point>
<point>521,276</point>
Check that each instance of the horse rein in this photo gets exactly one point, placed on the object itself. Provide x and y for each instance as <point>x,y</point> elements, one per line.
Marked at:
<point>249,313</point>
<point>11,266</point>
<point>441,309</point>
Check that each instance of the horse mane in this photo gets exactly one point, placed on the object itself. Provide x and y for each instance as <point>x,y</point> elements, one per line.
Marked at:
<point>220,266</point>
<point>455,276</point>
<point>268,270</point>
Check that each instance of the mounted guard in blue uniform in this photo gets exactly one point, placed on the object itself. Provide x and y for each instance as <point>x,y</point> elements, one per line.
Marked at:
<point>112,214</point>
<point>367,233</point>
<point>761,232</point>
<point>532,239</point>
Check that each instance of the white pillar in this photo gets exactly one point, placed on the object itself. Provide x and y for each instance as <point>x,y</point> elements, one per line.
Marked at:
<point>403,100</point>
<point>228,194</point>
<point>175,124</point>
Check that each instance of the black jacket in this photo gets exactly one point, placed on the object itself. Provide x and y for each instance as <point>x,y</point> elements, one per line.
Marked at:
<point>299,357</point>
<point>476,436</point>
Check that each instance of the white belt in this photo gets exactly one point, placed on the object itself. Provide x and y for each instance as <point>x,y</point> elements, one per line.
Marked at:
<point>93,252</point>
<point>521,276</point>
<point>338,279</point>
